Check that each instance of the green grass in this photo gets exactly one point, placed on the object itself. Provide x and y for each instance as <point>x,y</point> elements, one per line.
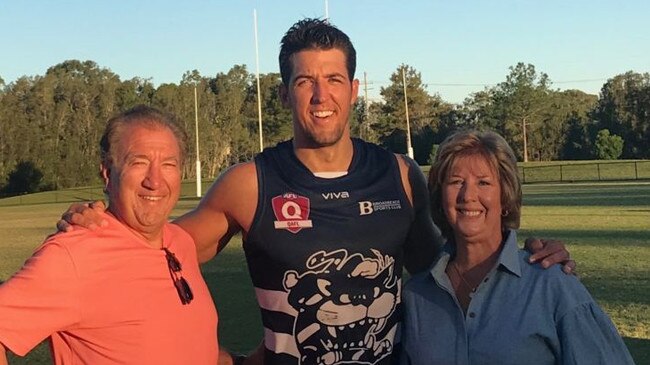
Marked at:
<point>607,229</point>
<point>605,226</point>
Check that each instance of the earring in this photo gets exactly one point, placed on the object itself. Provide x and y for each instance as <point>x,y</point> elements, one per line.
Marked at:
<point>504,213</point>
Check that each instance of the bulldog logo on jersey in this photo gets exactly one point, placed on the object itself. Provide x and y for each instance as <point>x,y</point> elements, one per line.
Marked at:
<point>344,305</point>
<point>291,211</point>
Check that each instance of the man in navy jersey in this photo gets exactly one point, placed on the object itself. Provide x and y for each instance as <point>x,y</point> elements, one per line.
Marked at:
<point>328,221</point>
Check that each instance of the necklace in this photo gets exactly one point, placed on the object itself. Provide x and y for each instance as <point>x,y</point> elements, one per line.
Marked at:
<point>462,277</point>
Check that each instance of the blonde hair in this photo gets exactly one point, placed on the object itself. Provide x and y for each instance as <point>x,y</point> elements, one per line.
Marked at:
<point>501,158</point>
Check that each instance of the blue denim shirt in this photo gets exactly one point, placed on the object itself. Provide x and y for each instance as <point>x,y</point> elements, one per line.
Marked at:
<point>519,314</point>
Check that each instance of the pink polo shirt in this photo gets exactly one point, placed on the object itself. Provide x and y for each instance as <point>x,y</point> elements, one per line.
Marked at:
<point>107,297</point>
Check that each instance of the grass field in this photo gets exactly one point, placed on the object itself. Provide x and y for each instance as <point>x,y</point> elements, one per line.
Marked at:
<point>605,226</point>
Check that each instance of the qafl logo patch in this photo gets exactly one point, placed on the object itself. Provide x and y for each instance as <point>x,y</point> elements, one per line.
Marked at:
<point>291,211</point>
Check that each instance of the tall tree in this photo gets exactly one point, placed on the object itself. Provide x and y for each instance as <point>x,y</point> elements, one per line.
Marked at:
<point>230,90</point>
<point>363,120</point>
<point>17,134</point>
<point>214,149</point>
<point>525,100</point>
<point>624,109</point>
<point>133,92</point>
<point>25,178</point>
<point>547,142</point>
<point>577,143</point>
<point>179,100</point>
<point>83,98</point>
<point>419,102</point>
<point>519,104</point>
<point>423,110</point>
<point>276,119</point>
<point>477,111</point>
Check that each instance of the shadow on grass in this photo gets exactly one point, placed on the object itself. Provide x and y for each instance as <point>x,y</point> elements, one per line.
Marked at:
<point>604,214</point>
<point>585,200</point>
<point>610,287</point>
<point>639,210</point>
<point>626,238</point>
<point>567,195</point>
<point>639,348</point>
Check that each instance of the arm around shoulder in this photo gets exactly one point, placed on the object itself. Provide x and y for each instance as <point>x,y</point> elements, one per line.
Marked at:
<point>424,239</point>
<point>227,208</point>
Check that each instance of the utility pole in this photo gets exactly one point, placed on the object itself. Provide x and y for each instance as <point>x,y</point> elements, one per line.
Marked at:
<point>196,130</point>
<point>409,147</point>
<point>327,11</point>
<point>525,141</point>
<point>366,121</point>
<point>259,97</point>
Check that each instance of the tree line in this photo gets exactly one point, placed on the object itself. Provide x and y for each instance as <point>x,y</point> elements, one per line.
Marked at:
<point>50,125</point>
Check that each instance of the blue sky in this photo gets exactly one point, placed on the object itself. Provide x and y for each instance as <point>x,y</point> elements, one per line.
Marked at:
<point>458,46</point>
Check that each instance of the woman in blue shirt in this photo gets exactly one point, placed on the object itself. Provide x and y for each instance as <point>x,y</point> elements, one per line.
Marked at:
<point>481,302</point>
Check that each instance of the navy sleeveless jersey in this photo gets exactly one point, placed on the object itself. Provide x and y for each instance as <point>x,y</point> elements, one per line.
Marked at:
<point>325,257</point>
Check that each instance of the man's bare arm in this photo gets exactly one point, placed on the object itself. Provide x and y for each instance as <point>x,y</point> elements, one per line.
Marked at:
<point>227,208</point>
<point>3,355</point>
<point>424,239</point>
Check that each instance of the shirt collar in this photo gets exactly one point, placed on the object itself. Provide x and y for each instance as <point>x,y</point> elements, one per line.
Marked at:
<point>508,259</point>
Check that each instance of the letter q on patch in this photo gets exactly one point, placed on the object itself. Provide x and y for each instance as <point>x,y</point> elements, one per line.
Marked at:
<point>291,211</point>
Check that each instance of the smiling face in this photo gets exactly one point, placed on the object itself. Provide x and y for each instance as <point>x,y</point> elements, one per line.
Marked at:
<point>143,181</point>
<point>320,95</point>
<point>471,200</point>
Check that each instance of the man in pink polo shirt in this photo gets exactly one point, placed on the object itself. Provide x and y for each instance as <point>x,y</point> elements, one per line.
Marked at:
<point>131,293</point>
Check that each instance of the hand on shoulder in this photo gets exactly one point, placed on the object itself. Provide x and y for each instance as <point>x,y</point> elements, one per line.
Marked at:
<point>87,215</point>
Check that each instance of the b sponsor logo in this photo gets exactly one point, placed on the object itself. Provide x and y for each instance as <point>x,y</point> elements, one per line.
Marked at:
<point>365,208</point>
<point>368,207</point>
<point>291,211</point>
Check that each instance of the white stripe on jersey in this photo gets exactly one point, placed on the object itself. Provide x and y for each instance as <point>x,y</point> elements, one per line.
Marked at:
<point>274,300</point>
<point>280,343</point>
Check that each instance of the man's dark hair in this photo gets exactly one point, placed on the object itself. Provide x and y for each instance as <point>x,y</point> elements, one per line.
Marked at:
<point>314,34</point>
<point>139,115</point>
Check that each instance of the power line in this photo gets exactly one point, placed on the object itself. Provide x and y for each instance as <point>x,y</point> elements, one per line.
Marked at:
<point>458,84</point>
<point>578,81</point>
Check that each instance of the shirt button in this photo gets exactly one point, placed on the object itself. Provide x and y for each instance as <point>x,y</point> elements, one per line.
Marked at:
<point>472,314</point>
